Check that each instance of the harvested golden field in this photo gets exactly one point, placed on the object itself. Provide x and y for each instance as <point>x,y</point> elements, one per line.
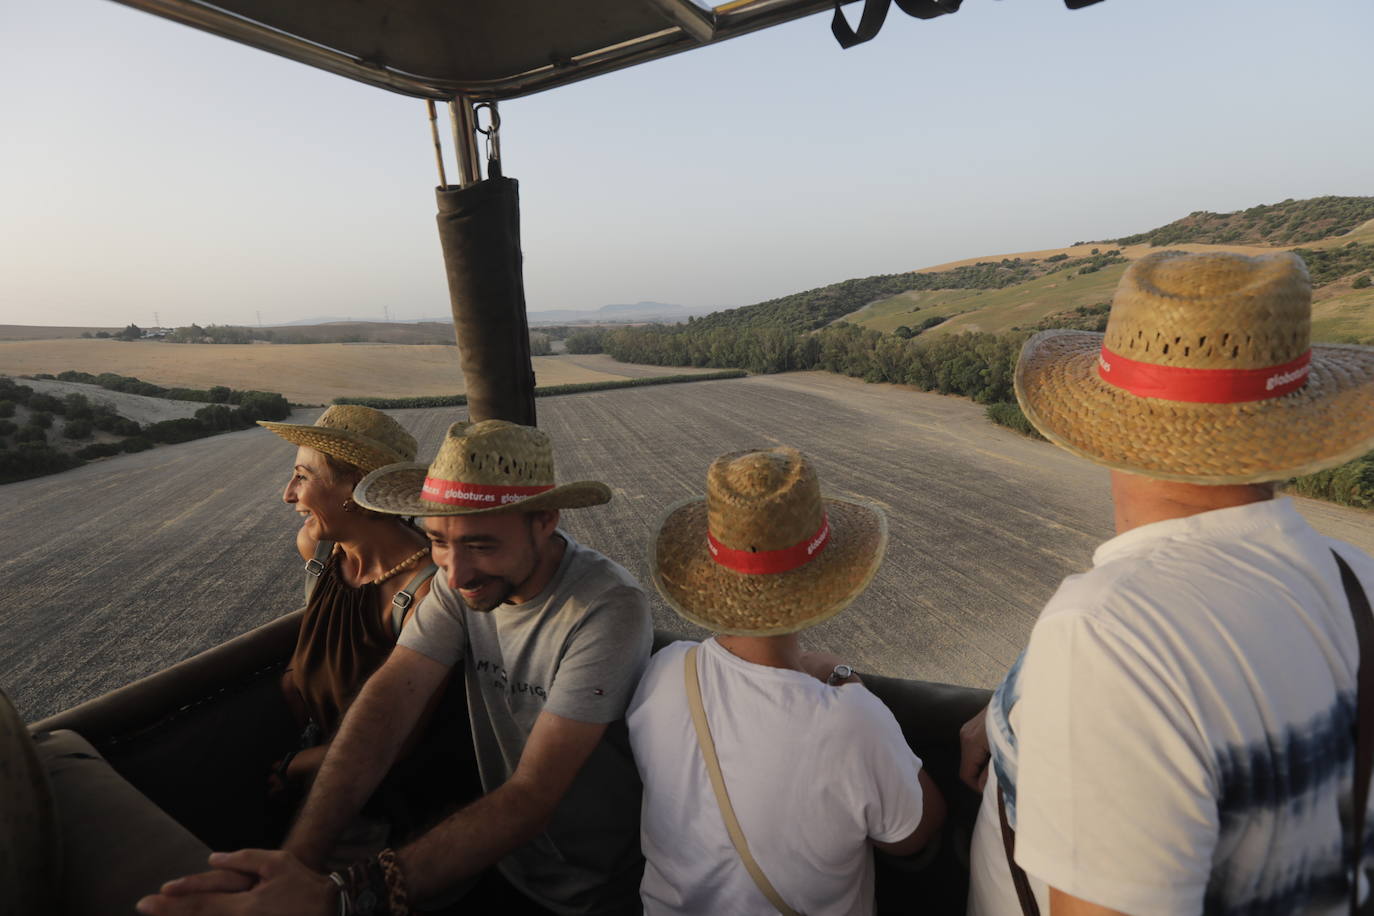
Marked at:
<point>305,373</point>
<point>193,544</point>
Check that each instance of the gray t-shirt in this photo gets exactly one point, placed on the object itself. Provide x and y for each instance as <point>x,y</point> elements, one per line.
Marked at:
<point>576,650</point>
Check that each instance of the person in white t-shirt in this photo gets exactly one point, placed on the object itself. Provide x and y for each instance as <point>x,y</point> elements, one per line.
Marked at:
<point>815,767</point>
<point>1177,736</point>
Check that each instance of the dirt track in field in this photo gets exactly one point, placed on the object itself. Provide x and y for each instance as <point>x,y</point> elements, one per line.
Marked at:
<point>119,568</point>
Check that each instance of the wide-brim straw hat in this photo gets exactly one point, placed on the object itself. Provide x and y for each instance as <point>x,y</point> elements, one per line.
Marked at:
<point>482,468</point>
<point>1205,374</point>
<point>763,511</point>
<point>362,436</point>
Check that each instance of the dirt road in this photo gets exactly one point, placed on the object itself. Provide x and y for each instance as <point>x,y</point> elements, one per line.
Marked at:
<point>121,567</point>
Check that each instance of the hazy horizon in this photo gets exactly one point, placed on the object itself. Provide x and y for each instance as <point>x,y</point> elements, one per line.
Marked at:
<point>151,168</point>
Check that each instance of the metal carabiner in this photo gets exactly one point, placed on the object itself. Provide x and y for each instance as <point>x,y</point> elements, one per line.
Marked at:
<point>493,134</point>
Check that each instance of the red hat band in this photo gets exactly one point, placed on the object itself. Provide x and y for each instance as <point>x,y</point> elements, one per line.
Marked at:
<point>1203,386</point>
<point>761,562</point>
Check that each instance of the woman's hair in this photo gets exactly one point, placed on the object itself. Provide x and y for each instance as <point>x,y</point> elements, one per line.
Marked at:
<point>340,470</point>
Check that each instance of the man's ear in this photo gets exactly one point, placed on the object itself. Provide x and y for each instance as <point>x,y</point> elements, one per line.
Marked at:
<point>544,522</point>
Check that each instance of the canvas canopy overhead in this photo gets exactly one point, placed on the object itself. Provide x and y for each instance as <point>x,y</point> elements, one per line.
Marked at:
<point>500,49</point>
<point>484,49</point>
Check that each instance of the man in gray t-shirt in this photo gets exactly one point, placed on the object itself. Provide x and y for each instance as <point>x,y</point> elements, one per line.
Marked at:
<point>552,637</point>
<point>575,650</point>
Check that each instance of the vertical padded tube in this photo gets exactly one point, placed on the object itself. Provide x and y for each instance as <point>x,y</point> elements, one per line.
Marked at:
<point>479,230</point>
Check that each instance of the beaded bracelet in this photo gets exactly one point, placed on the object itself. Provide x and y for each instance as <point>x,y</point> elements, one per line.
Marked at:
<point>375,887</point>
<point>397,898</point>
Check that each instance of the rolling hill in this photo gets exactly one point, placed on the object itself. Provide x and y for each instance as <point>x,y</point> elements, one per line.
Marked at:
<point>1068,297</point>
<point>1066,287</point>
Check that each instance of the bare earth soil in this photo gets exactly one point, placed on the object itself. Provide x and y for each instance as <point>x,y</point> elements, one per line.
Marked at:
<point>305,373</point>
<point>124,566</point>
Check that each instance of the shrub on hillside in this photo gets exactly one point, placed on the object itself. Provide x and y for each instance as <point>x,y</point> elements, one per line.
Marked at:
<point>46,403</point>
<point>7,427</point>
<point>1008,413</point>
<point>113,423</point>
<point>172,431</point>
<point>136,444</point>
<point>98,450</point>
<point>33,461</point>
<point>78,429</point>
<point>41,419</point>
<point>263,405</point>
<point>1351,484</point>
<point>31,433</point>
<point>1362,282</point>
<point>6,408</point>
<point>11,391</point>
<point>76,407</point>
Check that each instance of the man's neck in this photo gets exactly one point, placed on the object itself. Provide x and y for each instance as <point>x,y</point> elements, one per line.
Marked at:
<point>1139,501</point>
<point>774,651</point>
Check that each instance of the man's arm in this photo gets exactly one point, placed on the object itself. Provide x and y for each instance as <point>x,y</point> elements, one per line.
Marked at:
<point>974,752</point>
<point>485,831</point>
<point>932,819</point>
<point>1061,904</point>
<point>370,738</point>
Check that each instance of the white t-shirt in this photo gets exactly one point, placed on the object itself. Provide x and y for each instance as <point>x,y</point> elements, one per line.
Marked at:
<point>1176,738</point>
<point>813,773</point>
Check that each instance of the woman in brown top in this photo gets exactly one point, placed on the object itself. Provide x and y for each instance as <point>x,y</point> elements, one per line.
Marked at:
<point>359,562</point>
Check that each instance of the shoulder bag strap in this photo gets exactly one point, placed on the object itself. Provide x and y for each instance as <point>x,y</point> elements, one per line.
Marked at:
<point>314,567</point>
<point>1029,905</point>
<point>1364,707</point>
<point>406,597</point>
<point>727,811</point>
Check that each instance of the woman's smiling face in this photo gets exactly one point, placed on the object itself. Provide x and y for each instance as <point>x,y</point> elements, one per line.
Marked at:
<point>317,494</point>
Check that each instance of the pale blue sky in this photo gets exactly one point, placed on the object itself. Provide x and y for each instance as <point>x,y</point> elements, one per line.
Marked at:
<point>149,167</point>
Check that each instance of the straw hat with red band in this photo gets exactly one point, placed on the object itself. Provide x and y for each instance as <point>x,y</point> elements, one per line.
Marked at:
<point>1206,374</point>
<point>482,468</point>
<point>362,436</point>
<point>763,554</point>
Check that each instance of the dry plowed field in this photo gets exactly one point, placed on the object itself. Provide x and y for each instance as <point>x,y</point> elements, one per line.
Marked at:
<point>305,373</point>
<point>119,568</point>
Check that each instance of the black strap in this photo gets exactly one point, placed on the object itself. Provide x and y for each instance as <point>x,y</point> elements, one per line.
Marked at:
<point>870,22</point>
<point>1364,735</point>
<point>314,567</point>
<point>406,597</point>
<point>1029,905</point>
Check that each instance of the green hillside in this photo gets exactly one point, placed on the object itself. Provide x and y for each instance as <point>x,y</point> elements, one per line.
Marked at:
<point>1341,266</point>
<point>1292,222</point>
<point>1067,287</point>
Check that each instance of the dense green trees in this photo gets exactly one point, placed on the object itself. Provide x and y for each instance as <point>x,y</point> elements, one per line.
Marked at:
<point>973,364</point>
<point>587,340</point>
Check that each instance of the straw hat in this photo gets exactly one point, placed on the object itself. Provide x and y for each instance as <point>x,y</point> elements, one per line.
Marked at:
<point>482,468</point>
<point>1205,374</point>
<point>362,436</point>
<point>763,554</point>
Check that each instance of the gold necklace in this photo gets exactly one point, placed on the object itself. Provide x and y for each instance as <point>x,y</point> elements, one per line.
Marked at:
<point>401,565</point>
